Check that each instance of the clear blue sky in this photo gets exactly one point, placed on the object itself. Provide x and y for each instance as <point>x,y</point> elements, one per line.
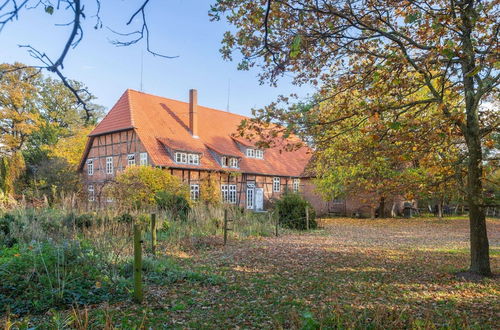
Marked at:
<point>178,27</point>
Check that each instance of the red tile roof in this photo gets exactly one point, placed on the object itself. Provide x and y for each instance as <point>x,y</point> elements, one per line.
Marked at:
<point>161,122</point>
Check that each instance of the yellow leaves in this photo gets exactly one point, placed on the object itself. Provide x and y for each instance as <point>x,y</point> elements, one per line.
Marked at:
<point>98,285</point>
<point>71,148</point>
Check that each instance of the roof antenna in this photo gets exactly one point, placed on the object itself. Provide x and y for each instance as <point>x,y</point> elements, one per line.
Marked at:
<point>142,68</point>
<point>228,93</point>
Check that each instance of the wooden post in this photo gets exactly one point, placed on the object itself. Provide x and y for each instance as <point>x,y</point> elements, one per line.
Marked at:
<point>138,294</point>
<point>307,217</point>
<point>277,222</point>
<point>225,226</point>
<point>153,233</point>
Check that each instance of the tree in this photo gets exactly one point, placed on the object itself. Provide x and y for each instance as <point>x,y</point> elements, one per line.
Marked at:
<point>448,47</point>
<point>19,116</point>
<point>40,118</point>
<point>210,191</point>
<point>390,154</point>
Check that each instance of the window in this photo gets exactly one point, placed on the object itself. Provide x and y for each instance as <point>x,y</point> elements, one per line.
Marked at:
<point>91,193</point>
<point>224,192</point>
<point>143,158</point>
<point>296,185</point>
<point>233,162</point>
<point>195,191</point>
<point>232,193</point>
<point>250,195</point>
<point>185,158</point>
<point>109,165</point>
<point>223,161</point>
<point>276,184</point>
<point>228,192</point>
<point>255,153</point>
<point>131,159</point>
<point>193,159</point>
<point>90,167</point>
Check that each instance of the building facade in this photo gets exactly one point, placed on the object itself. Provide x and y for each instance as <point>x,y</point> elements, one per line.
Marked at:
<point>193,143</point>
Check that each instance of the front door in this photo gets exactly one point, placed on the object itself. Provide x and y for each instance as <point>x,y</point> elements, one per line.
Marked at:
<point>259,199</point>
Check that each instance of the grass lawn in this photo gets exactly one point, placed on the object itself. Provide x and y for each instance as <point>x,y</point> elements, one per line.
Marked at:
<point>349,273</point>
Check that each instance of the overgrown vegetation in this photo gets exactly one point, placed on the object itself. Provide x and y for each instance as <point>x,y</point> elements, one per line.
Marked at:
<point>51,258</point>
<point>291,210</point>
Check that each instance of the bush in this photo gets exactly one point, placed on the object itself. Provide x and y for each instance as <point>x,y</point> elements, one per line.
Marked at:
<point>291,210</point>
<point>177,205</point>
<point>43,276</point>
<point>138,185</point>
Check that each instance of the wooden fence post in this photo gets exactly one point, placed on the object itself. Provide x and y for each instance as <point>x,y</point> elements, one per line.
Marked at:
<point>153,233</point>
<point>277,222</point>
<point>138,294</point>
<point>307,217</point>
<point>225,226</point>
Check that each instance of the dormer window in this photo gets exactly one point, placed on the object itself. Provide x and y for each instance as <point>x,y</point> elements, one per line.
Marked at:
<point>233,162</point>
<point>255,153</point>
<point>223,161</point>
<point>187,158</point>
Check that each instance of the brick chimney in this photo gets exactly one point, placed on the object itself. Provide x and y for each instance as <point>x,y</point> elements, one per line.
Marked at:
<point>193,112</point>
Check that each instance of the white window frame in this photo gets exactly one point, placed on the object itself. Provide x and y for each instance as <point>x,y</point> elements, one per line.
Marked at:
<point>194,190</point>
<point>276,184</point>
<point>250,197</point>
<point>224,161</point>
<point>228,193</point>
<point>187,158</point>
<point>250,153</point>
<point>109,165</point>
<point>296,184</point>
<point>233,162</point>
<point>90,166</point>
<point>143,158</point>
<point>193,159</point>
<point>91,191</point>
<point>224,191</point>
<point>259,154</point>
<point>130,159</point>
<point>232,194</point>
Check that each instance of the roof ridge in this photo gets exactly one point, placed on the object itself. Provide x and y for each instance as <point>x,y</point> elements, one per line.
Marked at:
<point>202,106</point>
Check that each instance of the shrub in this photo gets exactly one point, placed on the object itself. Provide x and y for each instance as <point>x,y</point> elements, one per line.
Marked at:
<point>138,185</point>
<point>210,191</point>
<point>85,220</point>
<point>43,276</point>
<point>178,205</point>
<point>291,210</point>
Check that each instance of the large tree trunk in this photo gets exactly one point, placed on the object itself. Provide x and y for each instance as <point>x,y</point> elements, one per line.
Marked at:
<point>381,207</point>
<point>479,247</point>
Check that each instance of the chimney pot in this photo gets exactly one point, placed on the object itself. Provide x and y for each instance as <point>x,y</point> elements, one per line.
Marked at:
<point>193,112</point>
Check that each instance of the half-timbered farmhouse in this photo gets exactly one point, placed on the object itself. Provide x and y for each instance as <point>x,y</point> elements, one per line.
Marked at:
<point>192,142</point>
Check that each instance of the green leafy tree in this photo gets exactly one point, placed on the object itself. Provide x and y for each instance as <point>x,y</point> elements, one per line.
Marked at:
<point>388,52</point>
